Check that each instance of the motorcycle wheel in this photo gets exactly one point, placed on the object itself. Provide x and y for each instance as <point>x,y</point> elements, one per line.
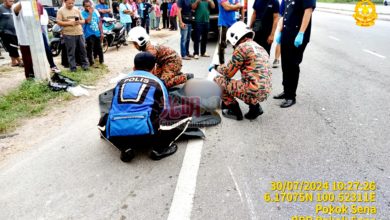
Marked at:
<point>105,45</point>
<point>55,49</point>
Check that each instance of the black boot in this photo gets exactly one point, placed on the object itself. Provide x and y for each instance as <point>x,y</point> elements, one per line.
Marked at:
<point>254,111</point>
<point>127,155</point>
<point>158,154</point>
<point>189,76</point>
<point>233,111</point>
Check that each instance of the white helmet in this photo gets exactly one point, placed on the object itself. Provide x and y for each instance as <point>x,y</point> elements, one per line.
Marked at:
<point>139,35</point>
<point>237,31</point>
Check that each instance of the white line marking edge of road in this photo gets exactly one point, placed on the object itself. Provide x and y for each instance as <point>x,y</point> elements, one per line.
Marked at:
<point>373,53</point>
<point>236,184</point>
<point>334,38</point>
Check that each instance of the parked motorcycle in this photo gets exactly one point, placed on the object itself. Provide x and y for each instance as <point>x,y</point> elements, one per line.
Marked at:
<point>114,33</point>
<point>55,42</point>
<point>52,22</point>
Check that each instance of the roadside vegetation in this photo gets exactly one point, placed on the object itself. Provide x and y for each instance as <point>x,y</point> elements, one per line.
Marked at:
<point>32,98</point>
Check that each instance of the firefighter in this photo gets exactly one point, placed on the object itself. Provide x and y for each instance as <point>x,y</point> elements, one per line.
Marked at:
<point>255,83</point>
<point>168,61</point>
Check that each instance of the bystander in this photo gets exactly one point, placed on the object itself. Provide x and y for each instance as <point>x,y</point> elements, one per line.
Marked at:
<point>103,9</point>
<point>158,15</point>
<point>264,21</point>
<point>184,14</point>
<point>8,34</point>
<point>226,18</point>
<point>152,16</point>
<point>173,16</point>
<point>165,14</point>
<point>201,27</point>
<point>93,33</point>
<point>69,17</point>
<point>125,12</point>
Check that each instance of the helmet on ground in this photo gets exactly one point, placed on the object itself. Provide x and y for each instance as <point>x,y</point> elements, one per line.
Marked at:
<point>237,31</point>
<point>139,36</point>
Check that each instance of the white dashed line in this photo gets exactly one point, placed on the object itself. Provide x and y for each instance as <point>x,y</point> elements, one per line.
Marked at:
<point>334,38</point>
<point>235,183</point>
<point>373,53</point>
<point>250,202</point>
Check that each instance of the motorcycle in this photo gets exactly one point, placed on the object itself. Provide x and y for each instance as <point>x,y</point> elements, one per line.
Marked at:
<point>114,33</point>
<point>55,42</point>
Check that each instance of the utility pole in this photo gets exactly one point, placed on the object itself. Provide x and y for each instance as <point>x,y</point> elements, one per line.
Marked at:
<point>33,26</point>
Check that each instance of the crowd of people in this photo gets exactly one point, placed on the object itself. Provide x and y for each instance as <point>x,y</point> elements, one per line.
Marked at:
<point>289,23</point>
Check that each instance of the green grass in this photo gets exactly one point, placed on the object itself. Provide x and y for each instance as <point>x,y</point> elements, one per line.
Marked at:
<point>89,77</point>
<point>31,98</point>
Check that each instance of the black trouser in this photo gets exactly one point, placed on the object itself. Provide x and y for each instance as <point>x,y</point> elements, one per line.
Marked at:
<point>261,39</point>
<point>27,61</point>
<point>291,58</point>
<point>222,44</point>
<point>145,24</point>
<point>201,35</point>
<point>134,22</point>
<point>173,21</point>
<point>10,43</point>
<point>94,47</point>
<point>49,55</point>
<point>71,43</point>
<point>163,138</point>
<point>158,142</point>
<point>165,21</point>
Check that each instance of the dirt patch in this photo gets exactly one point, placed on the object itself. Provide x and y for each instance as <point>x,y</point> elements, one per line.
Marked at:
<point>10,78</point>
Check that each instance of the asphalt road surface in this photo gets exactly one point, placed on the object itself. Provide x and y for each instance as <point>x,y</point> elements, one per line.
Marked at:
<point>337,131</point>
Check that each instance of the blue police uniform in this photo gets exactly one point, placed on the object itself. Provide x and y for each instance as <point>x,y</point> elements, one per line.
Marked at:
<point>292,55</point>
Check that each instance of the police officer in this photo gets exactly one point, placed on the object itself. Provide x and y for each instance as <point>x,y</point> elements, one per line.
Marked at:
<point>140,114</point>
<point>294,37</point>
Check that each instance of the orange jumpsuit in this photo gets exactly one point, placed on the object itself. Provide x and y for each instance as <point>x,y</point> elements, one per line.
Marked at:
<point>168,65</point>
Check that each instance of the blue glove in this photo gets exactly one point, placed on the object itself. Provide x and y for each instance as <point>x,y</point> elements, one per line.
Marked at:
<point>299,39</point>
<point>278,37</point>
<point>213,66</point>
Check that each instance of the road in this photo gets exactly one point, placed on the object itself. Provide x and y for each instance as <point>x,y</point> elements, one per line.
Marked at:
<point>337,131</point>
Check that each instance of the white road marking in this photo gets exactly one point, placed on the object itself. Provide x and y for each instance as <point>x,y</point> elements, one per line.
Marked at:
<point>334,38</point>
<point>235,183</point>
<point>373,53</point>
<point>250,203</point>
<point>183,198</point>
